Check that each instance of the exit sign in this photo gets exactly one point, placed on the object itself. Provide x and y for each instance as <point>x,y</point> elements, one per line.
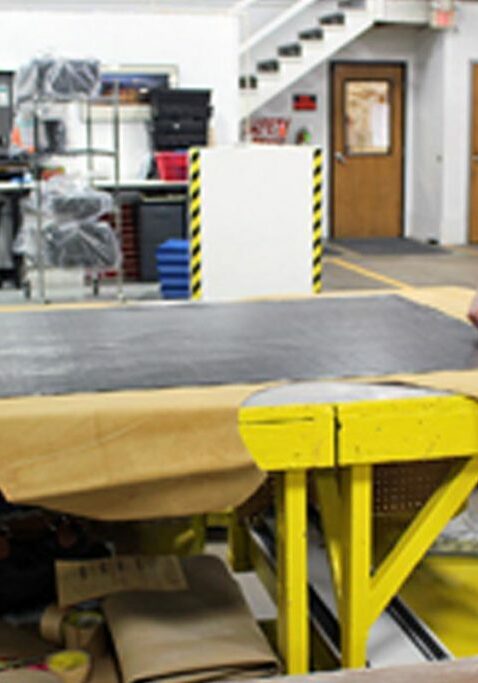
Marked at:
<point>442,14</point>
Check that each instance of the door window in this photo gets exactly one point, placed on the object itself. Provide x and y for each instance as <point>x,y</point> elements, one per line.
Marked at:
<point>368,117</point>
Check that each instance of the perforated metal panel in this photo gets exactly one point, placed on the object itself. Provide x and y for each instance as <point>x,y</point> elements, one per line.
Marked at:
<point>405,488</point>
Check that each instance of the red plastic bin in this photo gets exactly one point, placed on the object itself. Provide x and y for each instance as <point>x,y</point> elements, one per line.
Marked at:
<point>172,165</point>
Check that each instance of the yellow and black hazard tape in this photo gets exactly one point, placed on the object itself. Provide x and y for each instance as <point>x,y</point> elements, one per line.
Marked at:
<point>195,223</point>
<point>317,223</point>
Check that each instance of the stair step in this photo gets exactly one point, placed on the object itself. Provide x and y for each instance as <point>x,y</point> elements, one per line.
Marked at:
<point>311,34</point>
<point>248,82</point>
<point>335,19</point>
<point>351,4</point>
<point>291,50</point>
<point>268,66</point>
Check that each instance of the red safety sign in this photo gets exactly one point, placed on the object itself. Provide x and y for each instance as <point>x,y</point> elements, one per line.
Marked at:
<point>305,102</point>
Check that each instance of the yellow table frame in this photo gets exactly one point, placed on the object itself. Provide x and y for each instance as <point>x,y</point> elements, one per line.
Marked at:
<point>342,442</point>
<point>291,441</point>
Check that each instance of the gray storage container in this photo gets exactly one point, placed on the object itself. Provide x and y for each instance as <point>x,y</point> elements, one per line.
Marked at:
<point>158,221</point>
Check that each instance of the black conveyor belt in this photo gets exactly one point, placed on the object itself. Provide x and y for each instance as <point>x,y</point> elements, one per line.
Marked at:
<point>141,347</point>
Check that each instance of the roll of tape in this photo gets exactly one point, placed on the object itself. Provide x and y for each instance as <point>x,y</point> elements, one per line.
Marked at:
<point>84,618</point>
<point>51,625</point>
<point>85,630</point>
<point>71,666</point>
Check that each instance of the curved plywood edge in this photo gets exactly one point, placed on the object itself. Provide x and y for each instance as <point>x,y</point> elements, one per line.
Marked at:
<point>453,301</point>
<point>128,455</point>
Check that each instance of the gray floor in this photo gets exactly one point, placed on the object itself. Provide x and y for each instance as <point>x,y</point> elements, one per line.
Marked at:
<point>458,266</point>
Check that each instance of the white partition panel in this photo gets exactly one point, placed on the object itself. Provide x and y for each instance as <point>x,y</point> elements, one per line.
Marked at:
<point>257,221</point>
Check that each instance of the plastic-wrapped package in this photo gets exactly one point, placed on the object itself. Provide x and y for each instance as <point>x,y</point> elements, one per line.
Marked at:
<point>87,244</point>
<point>66,199</point>
<point>26,242</point>
<point>72,78</point>
<point>28,82</point>
<point>84,205</point>
<point>57,79</point>
<point>83,244</point>
<point>71,199</point>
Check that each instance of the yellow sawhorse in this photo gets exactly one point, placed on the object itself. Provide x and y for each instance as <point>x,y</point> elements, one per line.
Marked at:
<point>342,441</point>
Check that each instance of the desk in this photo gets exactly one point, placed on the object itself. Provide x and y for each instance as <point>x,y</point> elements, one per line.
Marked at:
<point>143,185</point>
<point>124,185</point>
<point>130,358</point>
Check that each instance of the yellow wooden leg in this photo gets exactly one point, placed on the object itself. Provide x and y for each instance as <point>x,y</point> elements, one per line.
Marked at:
<point>329,503</point>
<point>356,493</point>
<point>292,590</point>
<point>238,544</point>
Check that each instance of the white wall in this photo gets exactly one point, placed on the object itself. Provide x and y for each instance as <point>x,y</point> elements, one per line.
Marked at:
<point>203,45</point>
<point>461,51</point>
<point>397,44</point>
<point>426,158</point>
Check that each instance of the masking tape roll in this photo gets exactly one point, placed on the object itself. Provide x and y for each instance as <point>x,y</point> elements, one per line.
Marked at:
<point>84,618</point>
<point>71,666</point>
<point>85,630</point>
<point>51,625</point>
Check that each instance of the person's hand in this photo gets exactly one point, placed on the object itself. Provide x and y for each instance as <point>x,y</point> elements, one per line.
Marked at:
<point>473,311</point>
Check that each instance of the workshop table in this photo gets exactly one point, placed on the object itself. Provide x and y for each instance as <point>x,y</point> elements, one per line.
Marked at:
<point>340,433</point>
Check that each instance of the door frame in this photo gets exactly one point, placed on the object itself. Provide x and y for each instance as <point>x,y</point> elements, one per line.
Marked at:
<point>331,113</point>
<point>469,161</point>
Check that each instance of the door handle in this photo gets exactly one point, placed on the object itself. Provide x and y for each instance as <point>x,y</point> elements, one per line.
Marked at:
<point>340,157</point>
<point>474,157</point>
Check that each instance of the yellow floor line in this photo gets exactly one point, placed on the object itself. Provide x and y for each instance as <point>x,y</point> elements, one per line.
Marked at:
<point>69,306</point>
<point>365,272</point>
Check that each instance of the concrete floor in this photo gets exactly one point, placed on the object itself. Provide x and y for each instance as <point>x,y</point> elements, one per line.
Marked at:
<point>344,270</point>
<point>459,267</point>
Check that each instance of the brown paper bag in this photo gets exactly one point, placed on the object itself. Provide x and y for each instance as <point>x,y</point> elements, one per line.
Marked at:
<point>203,633</point>
<point>81,580</point>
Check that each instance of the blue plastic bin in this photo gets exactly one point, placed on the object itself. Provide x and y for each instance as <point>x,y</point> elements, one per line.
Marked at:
<point>172,261</point>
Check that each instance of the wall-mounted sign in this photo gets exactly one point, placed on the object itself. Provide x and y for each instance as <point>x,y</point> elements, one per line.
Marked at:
<point>270,129</point>
<point>442,14</point>
<point>304,102</point>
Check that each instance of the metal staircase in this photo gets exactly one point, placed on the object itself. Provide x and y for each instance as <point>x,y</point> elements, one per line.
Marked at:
<point>310,44</point>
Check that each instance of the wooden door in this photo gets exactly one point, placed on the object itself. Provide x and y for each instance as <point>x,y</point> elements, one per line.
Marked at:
<point>474,158</point>
<point>367,150</point>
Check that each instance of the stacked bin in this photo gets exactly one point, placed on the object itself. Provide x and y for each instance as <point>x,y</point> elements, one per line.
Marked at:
<point>172,260</point>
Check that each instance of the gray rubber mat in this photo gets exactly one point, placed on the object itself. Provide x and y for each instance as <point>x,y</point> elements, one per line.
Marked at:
<point>63,352</point>
<point>389,247</point>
